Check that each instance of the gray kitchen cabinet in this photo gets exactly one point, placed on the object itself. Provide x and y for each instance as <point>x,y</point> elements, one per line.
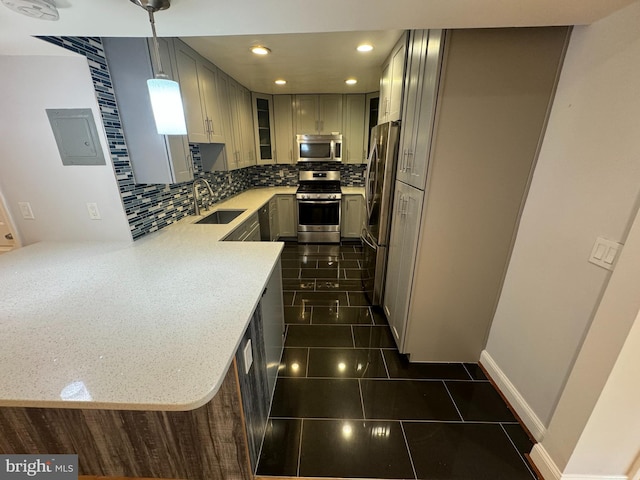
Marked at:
<point>318,114</point>
<point>425,52</point>
<point>391,83</point>
<point>287,223</point>
<point>352,220</point>
<point>264,337</point>
<point>353,145</point>
<point>274,227</point>
<point>272,308</point>
<point>247,231</point>
<point>283,129</point>
<point>208,77</point>
<point>198,84</point>
<point>441,289</point>
<point>403,243</point>
<point>155,159</point>
<point>242,151</point>
<point>248,156</point>
<point>264,128</point>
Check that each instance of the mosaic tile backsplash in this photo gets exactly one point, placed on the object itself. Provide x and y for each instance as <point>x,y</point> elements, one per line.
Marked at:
<point>152,207</point>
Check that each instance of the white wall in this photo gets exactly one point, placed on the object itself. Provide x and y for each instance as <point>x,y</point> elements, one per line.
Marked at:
<point>585,185</point>
<point>30,166</point>
<point>594,429</point>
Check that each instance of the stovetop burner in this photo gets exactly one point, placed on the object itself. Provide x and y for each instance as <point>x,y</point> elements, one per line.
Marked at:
<point>319,185</point>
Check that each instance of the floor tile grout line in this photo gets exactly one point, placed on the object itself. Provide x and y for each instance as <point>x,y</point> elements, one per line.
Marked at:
<point>453,401</point>
<point>408,420</point>
<point>468,372</point>
<point>306,370</point>
<point>364,413</point>
<point>406,444</point>
<point>533,475</point>
<point>384,362</point>
<point>300,447</point>
<point>353,337</point>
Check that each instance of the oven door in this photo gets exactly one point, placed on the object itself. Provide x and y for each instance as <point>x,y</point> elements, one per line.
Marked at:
<point>319,221</point>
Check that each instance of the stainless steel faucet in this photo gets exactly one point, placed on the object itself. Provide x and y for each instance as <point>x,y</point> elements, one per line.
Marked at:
<point>200,181</point>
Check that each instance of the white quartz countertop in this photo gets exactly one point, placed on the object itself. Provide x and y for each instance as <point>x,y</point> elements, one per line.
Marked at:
<point>147,325</point>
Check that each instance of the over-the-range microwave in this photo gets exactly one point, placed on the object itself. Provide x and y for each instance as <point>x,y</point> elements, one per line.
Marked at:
<point>319,148</point>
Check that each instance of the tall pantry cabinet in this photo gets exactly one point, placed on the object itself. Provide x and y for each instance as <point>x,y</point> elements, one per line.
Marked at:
<point>466,158</point>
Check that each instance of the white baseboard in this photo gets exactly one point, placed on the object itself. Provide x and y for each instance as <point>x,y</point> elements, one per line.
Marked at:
<point>544,463</point>
<point>517,401</point>
<point>550,471</point>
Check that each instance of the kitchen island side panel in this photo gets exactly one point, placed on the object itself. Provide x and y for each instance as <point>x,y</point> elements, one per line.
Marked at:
<point>202,444</point>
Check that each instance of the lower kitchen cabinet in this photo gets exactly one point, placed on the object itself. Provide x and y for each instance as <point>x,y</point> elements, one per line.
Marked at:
<point>257,370</point>
<point>287,224</point>
<point>274,227</point>
<point>248,231</point>
<point>352,216</point>
<point>403,244</point>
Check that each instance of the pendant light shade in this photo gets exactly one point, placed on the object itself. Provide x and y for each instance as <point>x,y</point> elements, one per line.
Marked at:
<point>166,103</point>
<point>164,93</point>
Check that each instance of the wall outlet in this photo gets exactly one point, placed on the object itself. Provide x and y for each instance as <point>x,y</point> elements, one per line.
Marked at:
<point>25,210</point>
<point>248,356</point>
<point>229,178</point>
<point>94,213</point>
<point>281,173</point>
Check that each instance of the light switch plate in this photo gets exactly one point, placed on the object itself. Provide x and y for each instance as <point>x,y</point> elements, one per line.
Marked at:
<point>248,356</point>
<point>25,210</point>
<point>605,253</point>
<point>94,213</point>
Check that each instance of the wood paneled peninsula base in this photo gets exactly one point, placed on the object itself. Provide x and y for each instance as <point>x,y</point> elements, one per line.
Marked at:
<point>208,443</point>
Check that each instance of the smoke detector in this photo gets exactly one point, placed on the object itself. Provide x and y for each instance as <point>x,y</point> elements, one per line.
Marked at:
<point>41,9</point>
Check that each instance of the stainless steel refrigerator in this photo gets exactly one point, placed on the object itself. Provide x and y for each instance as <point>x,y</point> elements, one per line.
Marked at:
<point>379,186</point>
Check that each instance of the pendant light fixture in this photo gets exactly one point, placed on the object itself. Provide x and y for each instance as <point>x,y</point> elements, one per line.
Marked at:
<point>164,93</point>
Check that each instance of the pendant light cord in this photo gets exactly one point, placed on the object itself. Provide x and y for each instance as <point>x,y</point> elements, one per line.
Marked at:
<point>155,44</point>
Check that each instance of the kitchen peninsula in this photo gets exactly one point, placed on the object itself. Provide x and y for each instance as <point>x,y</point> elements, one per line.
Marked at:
<point>132,354</point>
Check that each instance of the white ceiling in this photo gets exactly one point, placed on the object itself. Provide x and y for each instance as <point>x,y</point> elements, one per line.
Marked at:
<point>309,62</point>
<point>314,63</point>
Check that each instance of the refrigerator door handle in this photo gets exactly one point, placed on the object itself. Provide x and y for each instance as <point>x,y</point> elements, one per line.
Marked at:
<point>367,185</point>
<point>365,239</point>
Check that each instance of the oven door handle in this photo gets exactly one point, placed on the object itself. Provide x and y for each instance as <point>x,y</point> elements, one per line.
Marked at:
<point>319,202</point>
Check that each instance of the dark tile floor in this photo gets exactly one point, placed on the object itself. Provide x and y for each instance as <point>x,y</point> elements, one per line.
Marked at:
<point>348,405</point>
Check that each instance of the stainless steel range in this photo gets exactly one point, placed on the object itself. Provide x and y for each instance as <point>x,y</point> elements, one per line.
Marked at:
<point>319,197</point>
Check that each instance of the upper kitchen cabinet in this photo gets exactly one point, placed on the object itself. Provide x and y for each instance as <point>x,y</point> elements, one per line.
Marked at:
<point>264,130</point>
<point>391,83</point>
<point>198,84</point>
<point>425,52</point>
<point>240,146</point>
<point>354,147</point>
<point>159,159</point>
<point>284,137</point>
<point>318,114</point>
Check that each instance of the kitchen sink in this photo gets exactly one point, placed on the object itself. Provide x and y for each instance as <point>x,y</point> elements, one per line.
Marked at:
<point>222,216</point>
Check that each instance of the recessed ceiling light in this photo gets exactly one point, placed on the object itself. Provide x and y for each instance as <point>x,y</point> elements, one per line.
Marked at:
<point>41,9</point>
<point>280,82</point>
<point>365,47</point>
<point>351,81</point>
<point>260,50</point>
